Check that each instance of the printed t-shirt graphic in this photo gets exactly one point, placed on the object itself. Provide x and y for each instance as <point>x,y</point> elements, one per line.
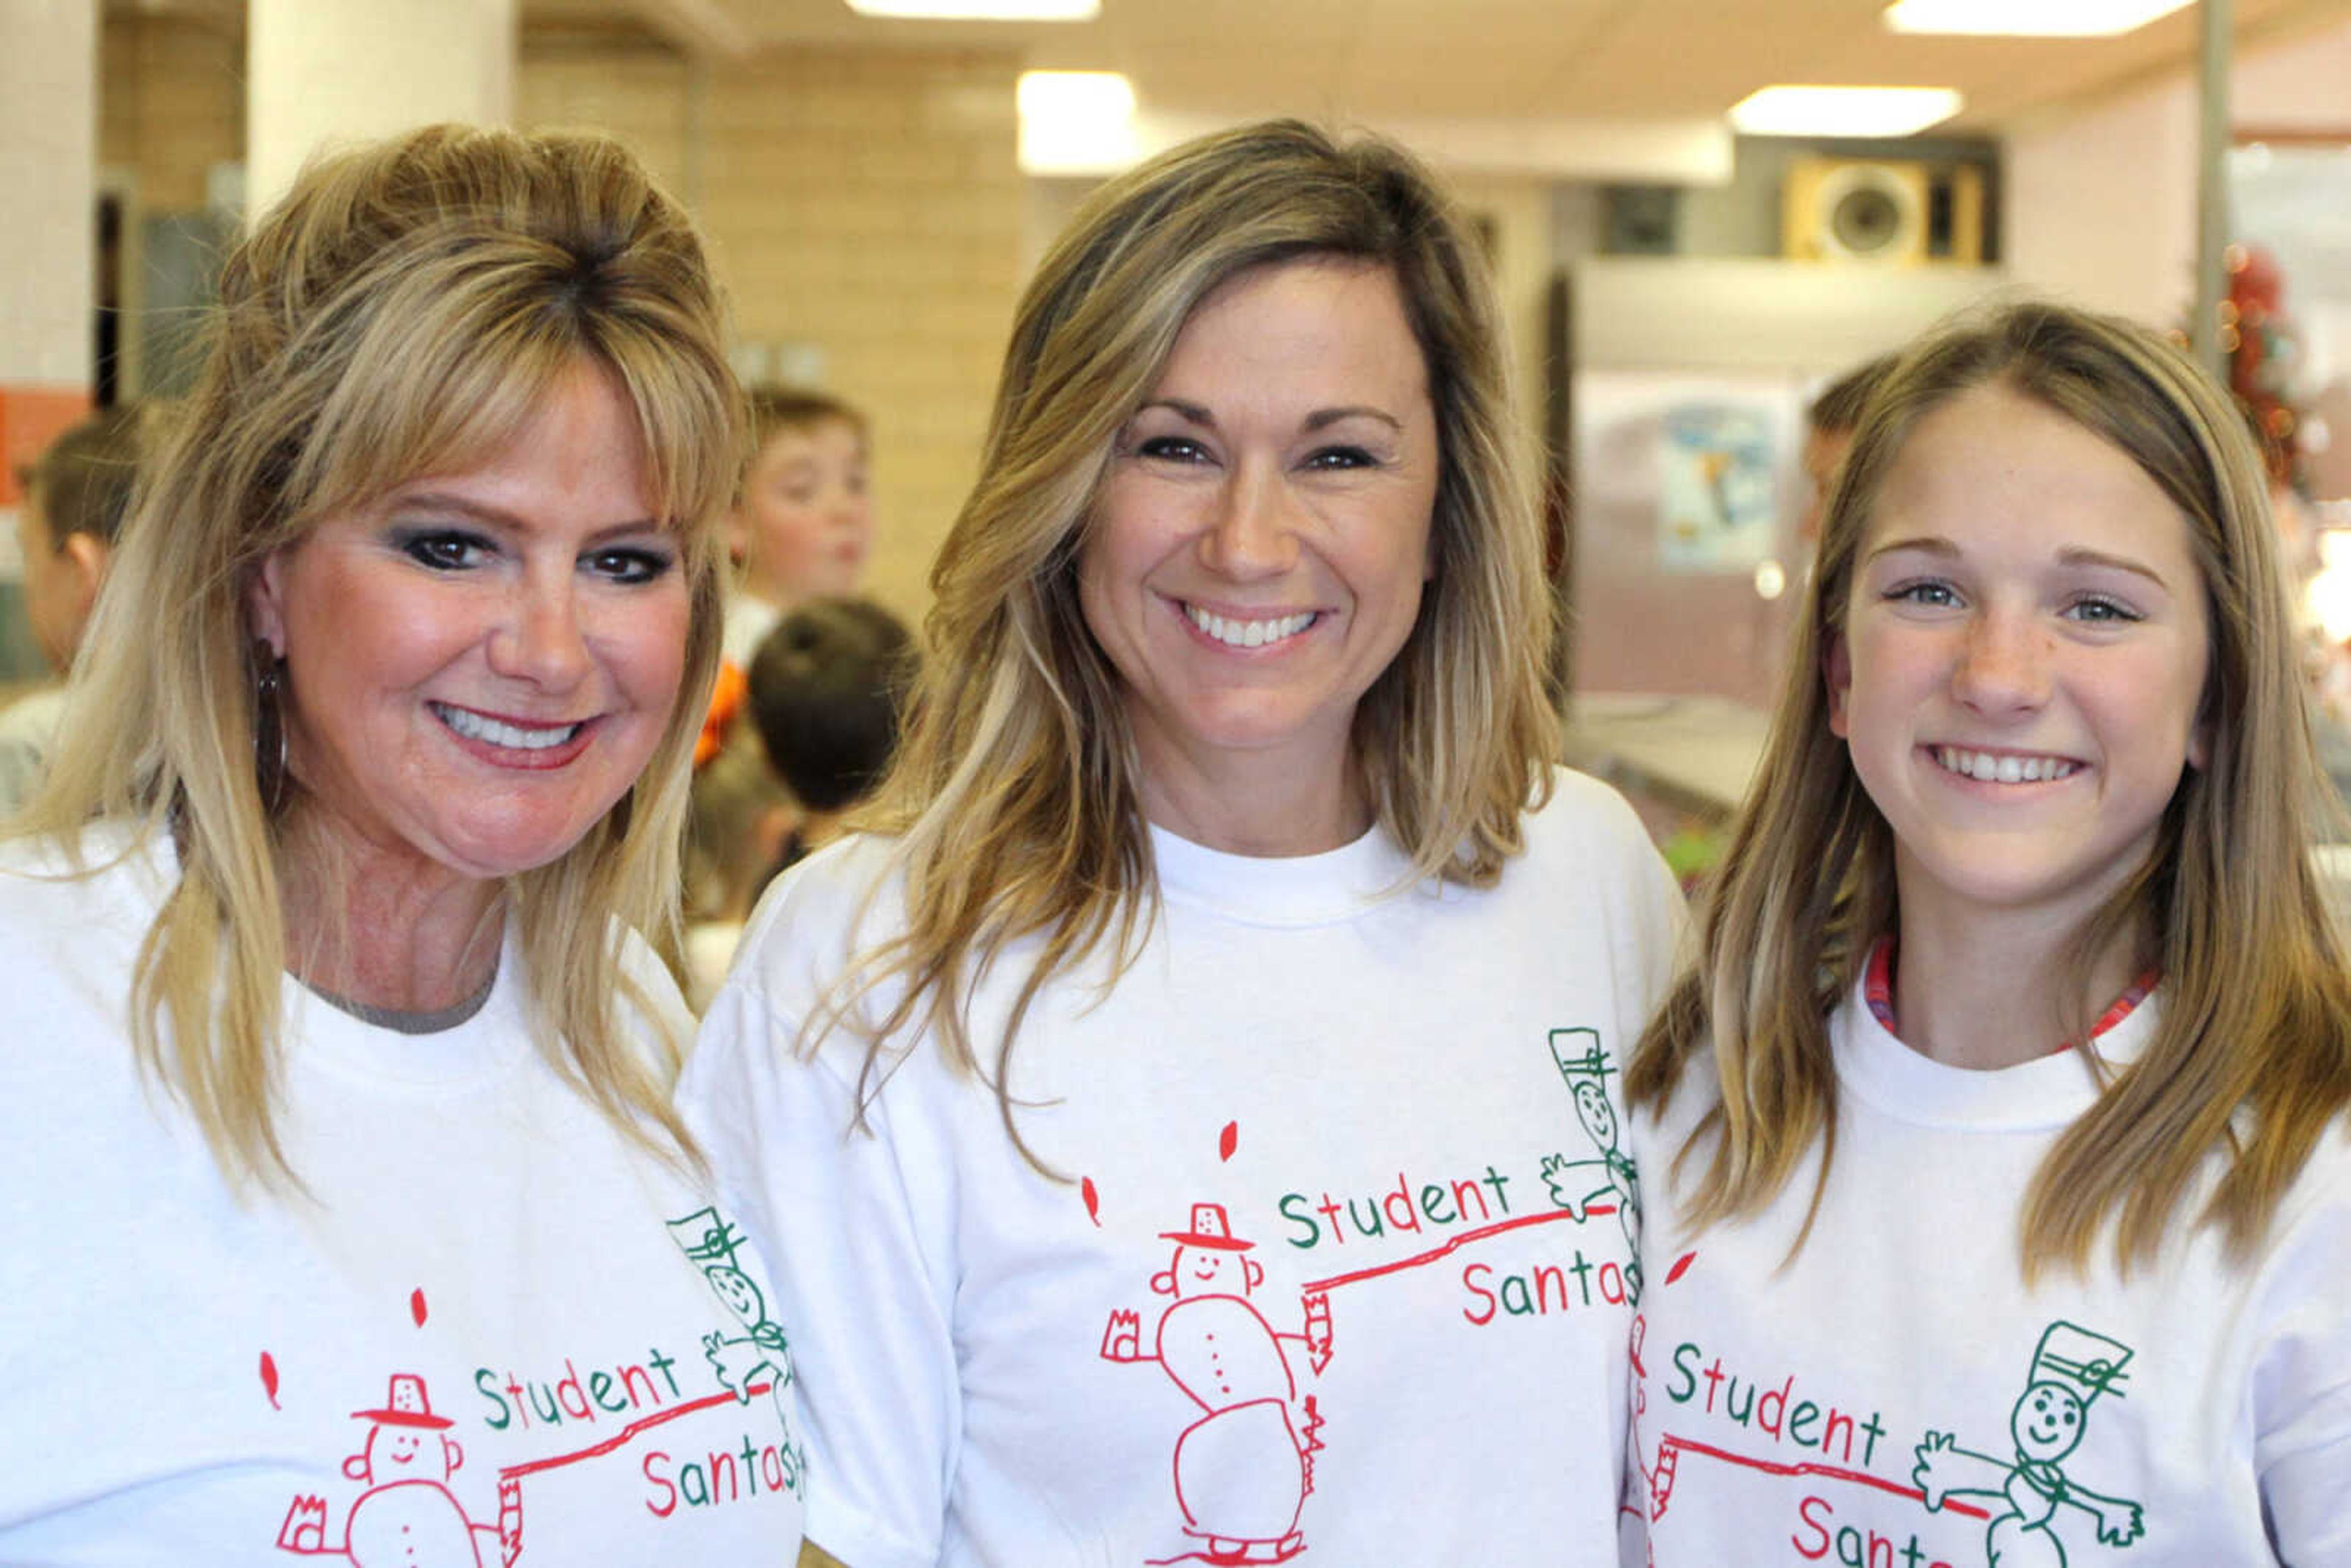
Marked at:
<point>410,1512</point>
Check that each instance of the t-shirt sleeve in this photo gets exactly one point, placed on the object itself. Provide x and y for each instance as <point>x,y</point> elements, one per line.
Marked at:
<point>2302,1385</point>
<point>855,1229</point>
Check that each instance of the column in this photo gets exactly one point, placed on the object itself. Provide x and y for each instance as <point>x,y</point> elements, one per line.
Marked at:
<point>321,71</point>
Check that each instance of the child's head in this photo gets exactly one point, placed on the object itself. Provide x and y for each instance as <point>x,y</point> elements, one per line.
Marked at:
<point>2080,512</point>
<point>75,498</point>
<point>1829,423</point>
<point>2167,485</point>
<point>801,526</point>
<point>826,688</point>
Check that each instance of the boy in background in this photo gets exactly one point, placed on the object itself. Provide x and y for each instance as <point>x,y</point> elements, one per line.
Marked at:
<point>825,693</point>
<point>75,496</point>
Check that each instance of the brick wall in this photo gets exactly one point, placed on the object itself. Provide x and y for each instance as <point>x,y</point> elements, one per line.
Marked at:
<point>861,207</point>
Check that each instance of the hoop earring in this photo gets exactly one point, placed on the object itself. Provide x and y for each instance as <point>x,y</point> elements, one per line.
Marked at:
<point>268,726</point>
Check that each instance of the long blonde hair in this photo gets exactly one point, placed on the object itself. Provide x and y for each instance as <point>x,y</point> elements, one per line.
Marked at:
<point>405,309</point>
<point>2256,1015</point>
<point>1014,796</point>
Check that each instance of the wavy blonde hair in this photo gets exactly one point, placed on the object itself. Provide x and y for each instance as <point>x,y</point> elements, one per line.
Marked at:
<point>2256,1017</point>
<point>405,309</point>
<point>1013,796</point>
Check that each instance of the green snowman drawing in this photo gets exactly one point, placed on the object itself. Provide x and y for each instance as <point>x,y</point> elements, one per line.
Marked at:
<point>1608,1177</point>
<point>2072,1367</point>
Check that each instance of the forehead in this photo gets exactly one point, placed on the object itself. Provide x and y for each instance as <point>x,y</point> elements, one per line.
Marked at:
<point>1993,464</point>
<point>1315,317</point>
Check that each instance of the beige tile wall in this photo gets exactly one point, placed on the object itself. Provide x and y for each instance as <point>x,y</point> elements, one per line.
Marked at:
<point>862,205</point>
<point>170,105</point>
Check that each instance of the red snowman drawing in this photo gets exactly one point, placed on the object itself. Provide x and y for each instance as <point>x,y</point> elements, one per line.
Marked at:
<point>408,1515</point>
<point>1244,1469</point>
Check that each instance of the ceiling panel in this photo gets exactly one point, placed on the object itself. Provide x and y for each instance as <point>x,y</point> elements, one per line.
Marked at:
<point>1487,58</point>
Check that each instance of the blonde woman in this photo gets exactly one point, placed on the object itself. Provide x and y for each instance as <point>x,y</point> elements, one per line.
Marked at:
<point>1190,1119</point>
<point>1996,1143</point>
<point>346,1214</point>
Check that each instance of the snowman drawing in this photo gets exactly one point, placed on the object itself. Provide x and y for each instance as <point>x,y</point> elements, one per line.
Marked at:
<point>408,1515</point>
<point>1244,1469</point>
<point>2072,1367</point>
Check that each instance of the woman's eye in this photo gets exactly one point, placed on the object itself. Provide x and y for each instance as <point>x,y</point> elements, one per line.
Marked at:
<point>2098,608</point>
<point>1171,449</point>
<point>1941,595</point>
<point>631,564</point>
<point>445,549</point>
<point>1341,458</point>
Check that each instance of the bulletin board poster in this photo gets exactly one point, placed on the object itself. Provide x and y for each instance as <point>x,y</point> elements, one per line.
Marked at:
<point>1699,470</point>
<point>1717,482</point>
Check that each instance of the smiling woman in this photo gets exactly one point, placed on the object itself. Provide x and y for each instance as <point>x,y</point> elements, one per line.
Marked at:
<point>1224,862</point>
<point>329,1019</point>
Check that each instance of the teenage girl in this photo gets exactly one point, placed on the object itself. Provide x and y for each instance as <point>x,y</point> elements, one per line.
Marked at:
<point>2000,1201</point>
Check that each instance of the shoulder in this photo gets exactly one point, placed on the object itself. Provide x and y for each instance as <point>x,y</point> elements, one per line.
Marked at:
<point>110,874</point>
<point>817,916</point>
<point>1585,814</point>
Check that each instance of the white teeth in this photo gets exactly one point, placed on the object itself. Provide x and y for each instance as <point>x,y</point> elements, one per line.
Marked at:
<point>2005,769</point>
<point>1248,634</point>
<point>497,732</point>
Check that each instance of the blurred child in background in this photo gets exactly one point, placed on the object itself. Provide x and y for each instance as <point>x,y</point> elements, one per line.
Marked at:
<point>824,697</point>
<point>800,528</point>
<point>75,496</point>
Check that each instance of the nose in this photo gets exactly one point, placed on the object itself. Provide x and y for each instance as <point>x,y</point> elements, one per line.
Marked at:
<point>540,639</point>
<point>2003,665</point>
<point>1254,531</point>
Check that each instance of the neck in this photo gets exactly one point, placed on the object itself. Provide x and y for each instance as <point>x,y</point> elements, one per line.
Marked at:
<point>1992,990</point>
<point>1264,806</point>
<point>385,928</point>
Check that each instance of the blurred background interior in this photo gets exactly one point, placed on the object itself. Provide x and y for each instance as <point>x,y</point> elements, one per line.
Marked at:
<point>1684,262</point>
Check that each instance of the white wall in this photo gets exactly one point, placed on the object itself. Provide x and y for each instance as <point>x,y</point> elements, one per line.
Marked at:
<point>2100,203</point>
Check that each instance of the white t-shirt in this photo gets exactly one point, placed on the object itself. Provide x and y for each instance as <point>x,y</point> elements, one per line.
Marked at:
<point>493,1332</point>
<point>1338,1267</point>
<point>2195,1414</point>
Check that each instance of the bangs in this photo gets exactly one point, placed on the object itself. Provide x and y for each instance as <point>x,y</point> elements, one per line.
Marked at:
<point>450,370</point>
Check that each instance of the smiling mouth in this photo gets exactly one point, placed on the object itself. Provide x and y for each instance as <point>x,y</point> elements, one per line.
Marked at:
<point>498,732</point>
<point>1988,767</point>
<point>1249,634</point>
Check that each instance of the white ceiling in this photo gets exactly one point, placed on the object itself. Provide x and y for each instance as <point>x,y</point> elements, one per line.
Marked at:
<point>1382,60</point>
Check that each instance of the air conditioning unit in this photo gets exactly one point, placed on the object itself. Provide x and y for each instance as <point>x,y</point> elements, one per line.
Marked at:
<point>1882,210</point>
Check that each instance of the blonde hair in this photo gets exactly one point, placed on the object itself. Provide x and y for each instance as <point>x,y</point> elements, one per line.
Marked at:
<point>1014,794</point>
<point>405,309</point>
<point>2256,1015</point>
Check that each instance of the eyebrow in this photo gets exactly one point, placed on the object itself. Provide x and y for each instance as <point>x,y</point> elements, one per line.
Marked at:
<point>498,517</point>
<point>1319,419</point>
<point>2073,555</point>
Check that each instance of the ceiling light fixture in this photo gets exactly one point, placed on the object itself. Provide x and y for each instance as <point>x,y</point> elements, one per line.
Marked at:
<point>1075,123</point>
<point>982,10</point>
<point>1786,110</point>
<point>2027,18</point>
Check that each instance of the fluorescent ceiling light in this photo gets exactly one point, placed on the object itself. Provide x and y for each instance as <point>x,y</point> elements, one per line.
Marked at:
<point>2027,18</point>
<point>982,10</point>
<point>1076,122</point>
<point>1842,111</point>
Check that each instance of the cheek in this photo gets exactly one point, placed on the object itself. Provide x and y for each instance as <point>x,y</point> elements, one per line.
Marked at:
<point>647,646</point>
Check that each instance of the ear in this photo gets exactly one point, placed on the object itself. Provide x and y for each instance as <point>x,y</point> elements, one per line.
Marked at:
<point>2200,742</point>
<point>1836,675</point>
<point>86,556</point>
<point>456,1454</point>
<point>265,598</point>
<point>1252,1274</point>
<point>356,1466</point>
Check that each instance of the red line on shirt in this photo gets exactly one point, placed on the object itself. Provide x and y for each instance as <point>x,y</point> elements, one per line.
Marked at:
<point>1834,1472</point>
<point>1421,1260</point>
<point>556,1461</point>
